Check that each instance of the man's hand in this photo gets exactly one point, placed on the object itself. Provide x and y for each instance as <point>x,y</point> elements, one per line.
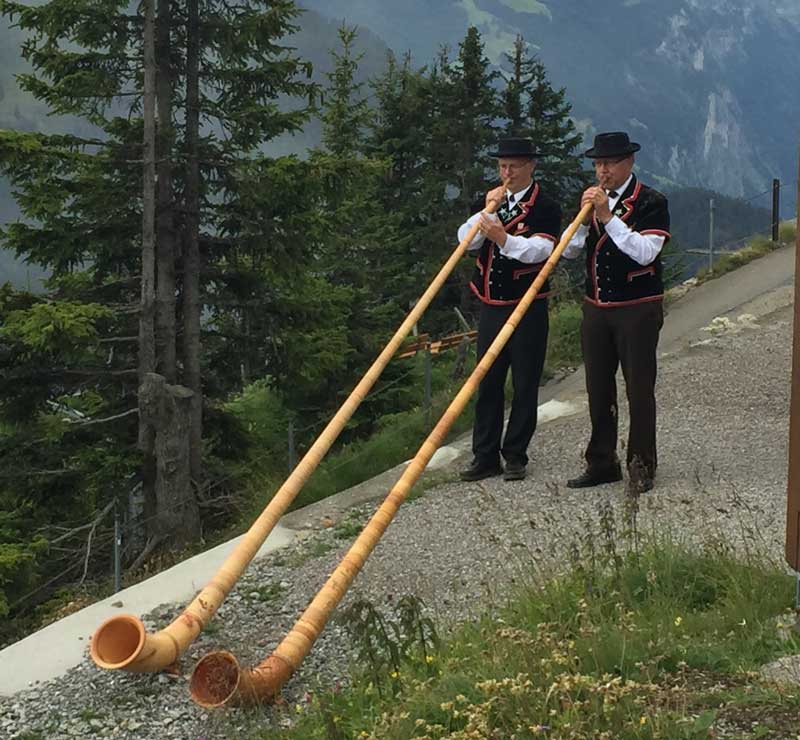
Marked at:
<point>491,228</point>
<point>496,195</point>
<point>599,200</point>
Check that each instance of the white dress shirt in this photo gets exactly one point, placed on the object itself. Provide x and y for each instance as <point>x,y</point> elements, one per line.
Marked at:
<point>530,249</point>
<point>642,248</point>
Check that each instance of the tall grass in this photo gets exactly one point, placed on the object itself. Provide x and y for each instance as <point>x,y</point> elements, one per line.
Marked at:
<point>656,641</point>
<point>396,438</point>
<point>757,247</point>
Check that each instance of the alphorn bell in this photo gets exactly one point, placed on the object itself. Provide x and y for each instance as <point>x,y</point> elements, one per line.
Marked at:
<point>122,642</point>
<point>217,679</point>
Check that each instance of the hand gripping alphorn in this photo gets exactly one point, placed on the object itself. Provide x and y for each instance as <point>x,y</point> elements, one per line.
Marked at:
<point>122,642</point>
<point>217,679</point>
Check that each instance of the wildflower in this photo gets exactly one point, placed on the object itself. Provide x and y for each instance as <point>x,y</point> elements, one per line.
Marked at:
<point>363,733</point>
<point>395,674</point>
<point>643,720</point>
<point>678,621</point>
<point>429,659</point>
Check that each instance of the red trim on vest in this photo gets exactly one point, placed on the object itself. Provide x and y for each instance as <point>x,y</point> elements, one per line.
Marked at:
<point>651,270</point>
<point>488,270</point>
<point>628,205</point>
<point>524,271</point>
<point>526,206</point>
<point>658,232</point>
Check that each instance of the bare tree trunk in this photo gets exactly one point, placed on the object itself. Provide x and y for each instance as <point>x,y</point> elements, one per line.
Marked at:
<point>191,256</point>
<point>165,220</point>
<point>147,349</point>
<point>168,409</point>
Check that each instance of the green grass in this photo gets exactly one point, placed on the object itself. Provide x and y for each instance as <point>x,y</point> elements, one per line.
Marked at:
<point>350,526</point>
<point>564,339</point>
<point>655,641</point>
<point>397,438</point>
<point>787,231</point>
<point>757,247</point>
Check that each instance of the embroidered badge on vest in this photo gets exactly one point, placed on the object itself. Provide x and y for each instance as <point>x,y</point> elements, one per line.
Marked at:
<point>506,214</point>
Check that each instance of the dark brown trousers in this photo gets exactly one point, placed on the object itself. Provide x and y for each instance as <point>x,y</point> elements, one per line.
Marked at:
<point>626,336</point>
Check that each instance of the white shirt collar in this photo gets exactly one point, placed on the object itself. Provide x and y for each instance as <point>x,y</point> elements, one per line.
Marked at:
<point>622,188</point>
<point>518,196</point>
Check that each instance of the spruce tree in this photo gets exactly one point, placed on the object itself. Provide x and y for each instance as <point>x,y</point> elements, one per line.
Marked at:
<point>465,127</point>
<point>533,108</point>
<point>413,190</point>
<point>361,241</point>
<point>82,198</point>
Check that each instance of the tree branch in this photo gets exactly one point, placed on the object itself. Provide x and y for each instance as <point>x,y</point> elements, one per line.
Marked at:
<point>93,524</point>
<point>106,419</point>
<point>89,544</point>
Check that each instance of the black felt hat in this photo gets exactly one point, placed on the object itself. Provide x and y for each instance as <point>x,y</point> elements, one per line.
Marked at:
<point>514,148</point>
<point>612,144</point>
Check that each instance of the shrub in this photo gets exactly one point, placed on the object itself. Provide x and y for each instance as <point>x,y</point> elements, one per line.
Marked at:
<point>787,231</point>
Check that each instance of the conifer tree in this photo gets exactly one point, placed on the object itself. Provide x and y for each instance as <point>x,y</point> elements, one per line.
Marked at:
<point>361,243</point>
<point>533,108</point>
<point>82,198</point>
<point>413,190</point>
<point>466,115</point>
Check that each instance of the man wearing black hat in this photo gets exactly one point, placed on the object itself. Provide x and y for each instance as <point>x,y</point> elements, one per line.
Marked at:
<point>512,246</point>
<point>622,310</point>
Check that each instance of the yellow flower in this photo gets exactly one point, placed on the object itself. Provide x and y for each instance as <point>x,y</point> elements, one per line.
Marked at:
<point>364,733</point>
<point>642,720</point>
<point>395,674</point>
<point>678,621</point>
<point>429,659</point>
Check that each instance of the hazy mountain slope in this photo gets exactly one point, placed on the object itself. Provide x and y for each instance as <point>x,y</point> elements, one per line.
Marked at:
<point>709,87</point>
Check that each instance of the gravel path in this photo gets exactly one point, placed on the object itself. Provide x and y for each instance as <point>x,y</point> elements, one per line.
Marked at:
<point>723,421</point>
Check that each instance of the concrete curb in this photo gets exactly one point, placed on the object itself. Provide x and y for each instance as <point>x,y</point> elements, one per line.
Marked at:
<point>62,645</point>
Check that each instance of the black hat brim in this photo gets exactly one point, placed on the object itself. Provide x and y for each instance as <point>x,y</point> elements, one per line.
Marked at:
<point>630,149</point>
<point>512,155</point>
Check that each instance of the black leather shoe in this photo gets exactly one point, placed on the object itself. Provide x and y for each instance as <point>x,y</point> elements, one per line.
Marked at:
<point>480,470</point>
<point>515,471</point>
<point>590,478</point>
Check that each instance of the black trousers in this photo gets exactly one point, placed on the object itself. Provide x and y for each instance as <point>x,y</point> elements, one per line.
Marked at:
<point>524,354</point>
<point>626,336</point>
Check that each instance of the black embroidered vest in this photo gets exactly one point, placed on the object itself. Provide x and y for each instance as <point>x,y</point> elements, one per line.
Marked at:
<point>502,281</point>
<point>612,277</point>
